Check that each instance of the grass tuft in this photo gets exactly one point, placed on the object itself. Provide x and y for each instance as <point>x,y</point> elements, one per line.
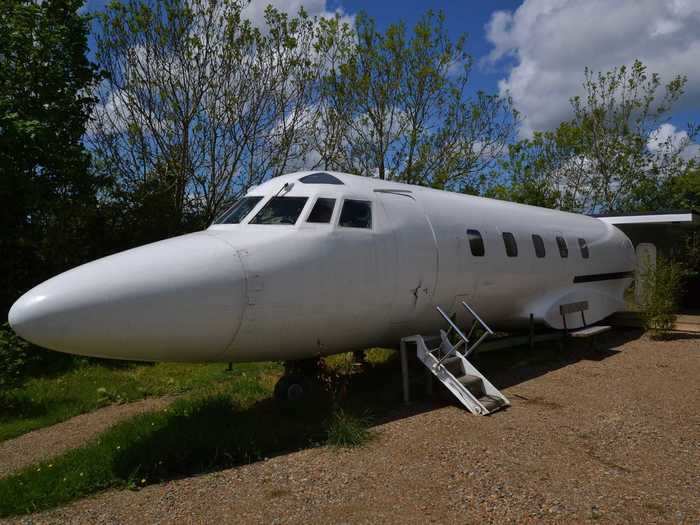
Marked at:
<point>347,430</point>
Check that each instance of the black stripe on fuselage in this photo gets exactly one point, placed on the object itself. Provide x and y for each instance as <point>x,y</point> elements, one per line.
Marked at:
<point>602,277</point>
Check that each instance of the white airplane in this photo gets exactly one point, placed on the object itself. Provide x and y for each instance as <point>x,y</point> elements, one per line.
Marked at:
<point>315,263</point>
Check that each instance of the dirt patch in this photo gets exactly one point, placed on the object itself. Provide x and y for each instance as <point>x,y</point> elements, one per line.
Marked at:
<point>552,405</point>
<point>610,437</point>
<point>48,442</point>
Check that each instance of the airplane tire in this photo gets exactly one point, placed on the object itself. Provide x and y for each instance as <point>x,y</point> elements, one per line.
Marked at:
<point>291,388</point>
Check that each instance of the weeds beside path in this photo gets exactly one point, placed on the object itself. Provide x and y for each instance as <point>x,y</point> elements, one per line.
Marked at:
<point>58,395</point>
<point>43,444</point>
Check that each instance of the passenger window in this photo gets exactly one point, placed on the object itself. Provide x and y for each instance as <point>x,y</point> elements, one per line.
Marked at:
<point>238,211</point>
<point>511,246</point>
<point>563,248</point>
<point>584,248</point>
<point>539,245</point>
<point>280,210</point>
<point>356,214</point>
<point>476,243</point>
<point>322,211</point>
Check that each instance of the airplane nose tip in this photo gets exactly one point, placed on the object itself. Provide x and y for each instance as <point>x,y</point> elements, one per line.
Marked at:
<point>178,300</point>
<point>20,315</point>
<point>16,316</point>
<point>27,315</point>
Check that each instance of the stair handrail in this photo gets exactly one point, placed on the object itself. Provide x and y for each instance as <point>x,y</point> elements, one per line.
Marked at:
<point>453,325</point>
<point>476,316</point>
<point>487,330</point>
<point>464,339</point>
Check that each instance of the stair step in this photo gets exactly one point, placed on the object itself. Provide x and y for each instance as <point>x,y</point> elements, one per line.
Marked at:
<point>472,383</point>
<point>454,370</point>
<point>453,366</point>
<point>491,403</point>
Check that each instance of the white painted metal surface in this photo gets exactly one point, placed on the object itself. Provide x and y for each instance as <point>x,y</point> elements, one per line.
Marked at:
<point>250,292</point>
<point>590,331</point>
<point>652,218</point>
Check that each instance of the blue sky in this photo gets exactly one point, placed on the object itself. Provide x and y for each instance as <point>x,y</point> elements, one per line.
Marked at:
<point>461,17</point>
<point>537,50</point>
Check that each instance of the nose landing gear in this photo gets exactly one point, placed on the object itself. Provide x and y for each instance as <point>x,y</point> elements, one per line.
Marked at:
<point>292,387</point>
<point>301,378</point>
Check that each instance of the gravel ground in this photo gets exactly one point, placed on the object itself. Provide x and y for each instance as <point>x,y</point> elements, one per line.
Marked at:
<point>611,436</point>
<point>45,443</point>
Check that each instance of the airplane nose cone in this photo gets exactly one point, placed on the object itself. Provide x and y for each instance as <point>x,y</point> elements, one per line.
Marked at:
<point>20,316</point>
<point>181,299</point>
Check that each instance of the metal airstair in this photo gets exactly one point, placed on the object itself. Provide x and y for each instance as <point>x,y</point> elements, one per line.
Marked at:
<point>448,362</point>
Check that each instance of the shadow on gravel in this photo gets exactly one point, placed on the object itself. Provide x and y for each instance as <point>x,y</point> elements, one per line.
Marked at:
<point>512,366</point>
<point>679,336</point>
<point>517,365</point>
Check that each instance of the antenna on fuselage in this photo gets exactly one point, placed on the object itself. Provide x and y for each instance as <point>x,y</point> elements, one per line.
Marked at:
<point>287,186</point>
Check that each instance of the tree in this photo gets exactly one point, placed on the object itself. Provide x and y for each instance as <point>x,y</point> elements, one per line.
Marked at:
<point>401,102</point>
<point>46,187</point>
<point>681,191</point>
<point>529,165</point>
<point>685,190</point>
<point>198,104</point>
<point>610,156</point>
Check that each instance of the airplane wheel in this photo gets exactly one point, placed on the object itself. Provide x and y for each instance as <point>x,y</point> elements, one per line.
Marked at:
<point>291,388</point>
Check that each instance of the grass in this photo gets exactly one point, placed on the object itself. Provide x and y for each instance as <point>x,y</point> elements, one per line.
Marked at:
<point>59,395</point>
<point>224,425</point>
<point>348,430</point>
<point>217,424</point>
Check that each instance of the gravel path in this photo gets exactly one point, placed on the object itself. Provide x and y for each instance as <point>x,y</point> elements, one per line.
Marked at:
<point>611,438</point>
<point>47,442</point>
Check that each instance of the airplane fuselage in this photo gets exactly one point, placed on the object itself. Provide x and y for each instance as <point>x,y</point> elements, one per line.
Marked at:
<point>315,264</point>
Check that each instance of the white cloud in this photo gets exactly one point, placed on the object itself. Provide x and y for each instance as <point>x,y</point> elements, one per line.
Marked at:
<point>255,11</point>
<point>667,138</point>
<point>552,41</point>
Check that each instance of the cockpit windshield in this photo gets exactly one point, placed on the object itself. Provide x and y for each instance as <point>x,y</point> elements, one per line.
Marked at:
<point>280,210</point>
<point>238,211</point>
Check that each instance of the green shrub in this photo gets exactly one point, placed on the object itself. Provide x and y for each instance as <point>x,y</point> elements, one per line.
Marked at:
<point>663,284</point>
<point>346,430</point>
<point>13,359</point>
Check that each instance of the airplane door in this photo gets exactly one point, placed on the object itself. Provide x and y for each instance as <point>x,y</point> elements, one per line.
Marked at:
<point>416,254</point>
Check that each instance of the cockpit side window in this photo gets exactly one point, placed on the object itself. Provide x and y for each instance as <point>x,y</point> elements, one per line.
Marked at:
<point>356,214</point>
<point>280,210</point>
<point>322,211</point>
<point>238,211</point>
